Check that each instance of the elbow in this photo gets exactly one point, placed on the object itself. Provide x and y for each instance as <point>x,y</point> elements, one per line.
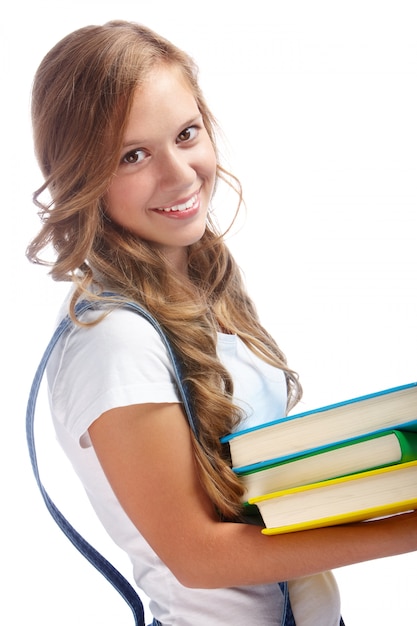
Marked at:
<point>197,561</point>
<point>192,578</point>
<point>196,575</point>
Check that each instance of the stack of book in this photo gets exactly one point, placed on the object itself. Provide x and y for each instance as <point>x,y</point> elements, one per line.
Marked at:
<point>351,461</point>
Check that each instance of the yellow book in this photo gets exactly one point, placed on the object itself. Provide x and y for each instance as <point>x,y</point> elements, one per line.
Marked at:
<point>353,498</point>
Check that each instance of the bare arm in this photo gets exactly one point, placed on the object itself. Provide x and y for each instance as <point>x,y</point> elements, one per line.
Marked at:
<point>145,451</point>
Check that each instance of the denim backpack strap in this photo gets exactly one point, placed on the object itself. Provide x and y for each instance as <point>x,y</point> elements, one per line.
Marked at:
<point>287,615</point>
<point>91,554</point>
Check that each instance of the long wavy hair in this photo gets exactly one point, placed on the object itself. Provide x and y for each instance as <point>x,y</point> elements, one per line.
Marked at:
<point>82,95</point>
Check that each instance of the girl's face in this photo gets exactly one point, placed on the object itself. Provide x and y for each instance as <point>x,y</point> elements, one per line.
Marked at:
<point>163,185</point>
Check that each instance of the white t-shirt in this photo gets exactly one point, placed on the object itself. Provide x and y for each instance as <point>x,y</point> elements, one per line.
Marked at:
<point>122,361</point>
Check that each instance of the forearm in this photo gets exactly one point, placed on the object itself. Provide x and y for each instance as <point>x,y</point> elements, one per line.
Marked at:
<point>239,554</point>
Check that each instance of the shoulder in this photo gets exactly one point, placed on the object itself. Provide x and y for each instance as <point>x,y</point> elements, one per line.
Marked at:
<point>119,361</point>
<point>116,325</point>
<point>122,340</point>
<point>120,328</point>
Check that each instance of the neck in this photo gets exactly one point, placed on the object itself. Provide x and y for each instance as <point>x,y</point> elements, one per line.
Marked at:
<point>177,261</point>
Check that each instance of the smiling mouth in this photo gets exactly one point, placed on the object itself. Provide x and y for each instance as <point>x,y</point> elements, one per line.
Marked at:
<point>180,207</point>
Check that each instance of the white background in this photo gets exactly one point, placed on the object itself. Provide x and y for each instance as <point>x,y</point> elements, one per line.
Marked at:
<point>318,103</point>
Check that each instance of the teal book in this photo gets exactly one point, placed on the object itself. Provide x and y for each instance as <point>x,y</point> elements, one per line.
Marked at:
<point>394,408</point>
<point>347,457</point>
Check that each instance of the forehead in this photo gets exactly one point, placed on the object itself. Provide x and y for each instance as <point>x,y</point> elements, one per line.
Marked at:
<point>164,96</point>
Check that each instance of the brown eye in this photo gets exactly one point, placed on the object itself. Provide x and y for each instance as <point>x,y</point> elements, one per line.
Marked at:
<point>187,134</point>
<point>133,157</point>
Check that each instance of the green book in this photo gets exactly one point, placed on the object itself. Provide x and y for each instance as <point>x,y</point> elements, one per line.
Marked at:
<point>347,457</point>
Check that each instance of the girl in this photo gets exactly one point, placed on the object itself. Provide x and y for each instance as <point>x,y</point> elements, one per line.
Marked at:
<point>127,146</point>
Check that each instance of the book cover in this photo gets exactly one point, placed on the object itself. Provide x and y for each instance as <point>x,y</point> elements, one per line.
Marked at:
<point>394,408</point>
<point>358,497</point>
<point>347,457</point>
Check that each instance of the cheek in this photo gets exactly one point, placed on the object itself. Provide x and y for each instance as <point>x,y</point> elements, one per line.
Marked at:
<point>210,162</point>
<point>119,195</point>
<point>111,201</point>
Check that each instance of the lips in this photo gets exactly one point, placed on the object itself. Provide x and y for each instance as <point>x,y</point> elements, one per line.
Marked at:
<point>182,206</point>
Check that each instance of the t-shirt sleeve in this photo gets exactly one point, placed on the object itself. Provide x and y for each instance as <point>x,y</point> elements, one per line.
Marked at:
<point>118,362</point>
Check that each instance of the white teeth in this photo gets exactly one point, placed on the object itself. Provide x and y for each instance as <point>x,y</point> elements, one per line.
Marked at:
<point>181,207</point>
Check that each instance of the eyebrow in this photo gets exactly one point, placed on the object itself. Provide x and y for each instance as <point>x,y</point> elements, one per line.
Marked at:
<point>131,143</point>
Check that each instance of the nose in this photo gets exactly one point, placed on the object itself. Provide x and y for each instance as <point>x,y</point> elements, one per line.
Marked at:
<point>176,170</point>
